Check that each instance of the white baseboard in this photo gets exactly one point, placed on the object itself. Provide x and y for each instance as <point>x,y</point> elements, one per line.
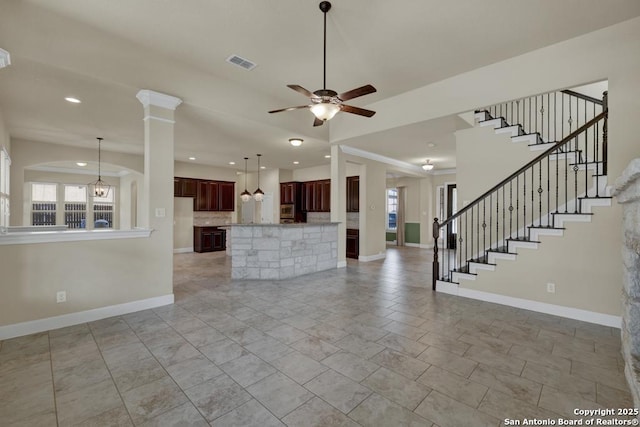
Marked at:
<point>342,264</point>
<point>412,245</point>
<point>64,320</point>
<point>392,242</point>
<point>182,250</point>
<point>367,258</point>
<point>426,245</point>
<point>540,307</point>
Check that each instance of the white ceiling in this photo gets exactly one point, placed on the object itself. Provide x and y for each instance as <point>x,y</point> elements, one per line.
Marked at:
<point>105,51</point>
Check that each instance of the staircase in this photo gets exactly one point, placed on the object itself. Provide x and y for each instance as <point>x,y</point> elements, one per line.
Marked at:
<point>559,186</point>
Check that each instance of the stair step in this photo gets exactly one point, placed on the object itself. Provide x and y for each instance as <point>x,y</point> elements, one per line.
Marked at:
<point>514,130</point>
<point>456,276</point>
<point>474,266</point>
<point>514,244</point>
<point>541,146</point>
<point>594,166</point>
<point>536,232</point>
<point>500,253</point>
<point>482,116</point>
<point>530,138</point>
<point>560,217</point>
<point>587,203</point>
<point>495,123</point>
<point>571,156</point>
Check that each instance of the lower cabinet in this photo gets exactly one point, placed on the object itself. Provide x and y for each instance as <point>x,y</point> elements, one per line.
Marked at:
<point>209,239</point>
<point>353,243</point>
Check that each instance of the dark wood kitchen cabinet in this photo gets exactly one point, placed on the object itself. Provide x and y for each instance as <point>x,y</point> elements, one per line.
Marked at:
<point>185,187</point>
<point>353,243</point>
<point>207,197</point>
<point>209,239</point>
<point>226,191</point>
<point>353,194</point>
<point>290,193</point>
<point>316,196</point>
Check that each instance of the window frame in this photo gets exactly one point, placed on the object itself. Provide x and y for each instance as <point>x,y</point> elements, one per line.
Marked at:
<point>388,205</point>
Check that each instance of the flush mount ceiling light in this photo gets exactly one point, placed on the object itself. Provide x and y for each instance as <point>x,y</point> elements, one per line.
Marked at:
<point>296,142</point>
<point>325,103</point>
<point>81,164</point>
<point>427,165</point>
<point>72,100</point>
<point>258,195</point>
<point>99,188</point>
<point>245,196</point>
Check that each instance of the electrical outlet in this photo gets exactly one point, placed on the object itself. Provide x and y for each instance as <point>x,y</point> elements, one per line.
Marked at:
<point>61,296</point>
<point>551,288</point>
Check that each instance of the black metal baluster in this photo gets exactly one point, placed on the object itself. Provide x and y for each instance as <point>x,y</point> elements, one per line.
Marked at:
<point>517,206</point>
<point>484,225</point>
<point>491,221</point>
<point>532,202</point>
<point>524,202</point>
<point>504,238</point>
<point>511,209</point>
<point>497,221</point>
<point>540,190</point>
<point>555,115</point>
<point>586,156</point>
<point>575,176</point>
<point>595,149</point>
<point>467,258</point>
<point>541,115</point>
<point>466,237</point>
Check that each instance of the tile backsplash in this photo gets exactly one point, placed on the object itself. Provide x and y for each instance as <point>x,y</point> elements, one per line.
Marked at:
<point>211,218</point>
<point>353,218</point>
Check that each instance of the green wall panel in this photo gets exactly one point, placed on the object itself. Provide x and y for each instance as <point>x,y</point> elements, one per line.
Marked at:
<point>412,232</point>
<point>391,236</point>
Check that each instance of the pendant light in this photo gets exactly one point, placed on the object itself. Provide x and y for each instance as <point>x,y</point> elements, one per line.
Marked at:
<point>258,195</point>
<point>99,188</point>
<point>245,195</point>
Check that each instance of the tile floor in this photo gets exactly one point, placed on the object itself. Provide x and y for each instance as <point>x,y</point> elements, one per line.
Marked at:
<point>367,345</point>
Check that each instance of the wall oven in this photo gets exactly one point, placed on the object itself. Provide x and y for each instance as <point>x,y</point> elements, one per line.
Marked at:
<point>288,212</point>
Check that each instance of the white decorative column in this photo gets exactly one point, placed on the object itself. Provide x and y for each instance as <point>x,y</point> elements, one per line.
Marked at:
<point>627,193</point>
<point>339,200</point>
<point>157,205</point>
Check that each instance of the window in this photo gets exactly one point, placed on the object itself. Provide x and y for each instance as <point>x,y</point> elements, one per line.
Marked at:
<point>103,211</point>
<point>75,206</point>
<point>5,163</point>
<point>43,204</point>
<point>392,208</point>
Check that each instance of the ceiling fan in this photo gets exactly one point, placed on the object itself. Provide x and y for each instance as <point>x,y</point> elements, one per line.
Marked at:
<point>325,103</point>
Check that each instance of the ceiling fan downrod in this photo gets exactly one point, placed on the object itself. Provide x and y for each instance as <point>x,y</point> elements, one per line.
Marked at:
<point>325,7</point>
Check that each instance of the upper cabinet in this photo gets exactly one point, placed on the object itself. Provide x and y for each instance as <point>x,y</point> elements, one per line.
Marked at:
<point>316,196</point>
<point>290,193</point>
<point>208,195</point>
<point>353,194</point>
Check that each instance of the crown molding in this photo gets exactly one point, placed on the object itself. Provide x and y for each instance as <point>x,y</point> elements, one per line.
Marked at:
<point>149,97</point>
<point>5,58</point>
<point>443,171</point>
<point>382,159</point>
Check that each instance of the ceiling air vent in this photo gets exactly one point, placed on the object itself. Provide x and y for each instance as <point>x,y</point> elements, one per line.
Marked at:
<point>241,62</point>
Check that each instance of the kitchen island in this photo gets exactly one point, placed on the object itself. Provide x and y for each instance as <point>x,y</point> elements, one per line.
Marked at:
<point>282,251</point>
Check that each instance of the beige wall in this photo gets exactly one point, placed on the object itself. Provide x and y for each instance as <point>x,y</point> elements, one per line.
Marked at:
<point>5,140</point>
<point>373,177</point>
<point>183,223</point>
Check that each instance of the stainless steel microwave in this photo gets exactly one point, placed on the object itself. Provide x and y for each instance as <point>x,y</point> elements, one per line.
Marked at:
<point>287,211</point>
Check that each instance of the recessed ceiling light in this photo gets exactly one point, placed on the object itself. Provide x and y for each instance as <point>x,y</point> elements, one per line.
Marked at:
<point>327,156</point>
<point>72,100</point>
<point>83,164</point>
<point>192,158</point>
<point>296,142</point>
<point>232,163</point>
<point>431,145</point>
<point>263,167</point>
<point>296,162</point>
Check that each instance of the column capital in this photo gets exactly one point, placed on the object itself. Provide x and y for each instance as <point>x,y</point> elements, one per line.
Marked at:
<point>149,97</point>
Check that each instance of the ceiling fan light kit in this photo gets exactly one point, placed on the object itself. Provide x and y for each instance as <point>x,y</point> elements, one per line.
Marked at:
<point>296,142</point>
<point>326,103</point>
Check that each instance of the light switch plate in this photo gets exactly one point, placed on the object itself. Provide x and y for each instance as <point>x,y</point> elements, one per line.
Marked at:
<point>160,212</point>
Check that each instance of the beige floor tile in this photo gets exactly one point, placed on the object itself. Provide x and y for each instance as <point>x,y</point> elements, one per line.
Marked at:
<point>268,349</point>
<point>541,356</point>
<point>402,344</point>
<point>405,330</point>
<point>591,358</point>
<point>34,401</point>
<point>338,390</point>
<point>447,412</point>
<point>360,347</point>
<point>247,369</point>
<point>250,414</point>
<point>610,377</point>
<point>502,406</point>
<point>35,418</point>
<point>560,380</point>
<point>125,354</point>
<point>368,333</point>
<point>223,351</point>
<point>350,365</point>
<point>152,399</point>
<point>564,404</point>
<point>327,332</point>
<point>315,347</point>
<point>376,411</point>
<point>203,336</point>
<point>459,388</point>
<point>80,376</point>
<point>406,318</point>
<point>80,405</point>
<point>495,359</point>
<point>279,394</point>
<point>286,334</point>
<point>172,353</point>
<point>445,342</point>
<point>614,398</point>
<point>400,363</point>
<point>317,413</point>
<point>448,361</point>
<point>484,340</point>
<point>515,386</point>
<point>299,367</point>
<point>397,388</point>
<point>217,396</point>
<point>116,417</point>
<point>191,372</point>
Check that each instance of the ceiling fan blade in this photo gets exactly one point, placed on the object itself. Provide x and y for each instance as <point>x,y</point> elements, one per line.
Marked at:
<point>290,108</point>
<point>302,90</point>
<point>354,93</point>
<point>356,110</point>
<point>318,122</point>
